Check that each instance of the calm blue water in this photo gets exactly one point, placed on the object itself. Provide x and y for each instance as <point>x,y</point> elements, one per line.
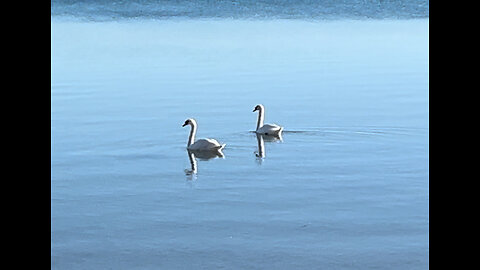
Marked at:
<point>347,188</point>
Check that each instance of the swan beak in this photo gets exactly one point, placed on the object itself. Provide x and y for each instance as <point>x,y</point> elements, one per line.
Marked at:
<point>254,110</point>
<point>184,125</point>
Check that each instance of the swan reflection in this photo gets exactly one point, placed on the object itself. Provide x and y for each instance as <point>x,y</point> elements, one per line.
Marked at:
<point>202,155</point>
<point>261,139</point>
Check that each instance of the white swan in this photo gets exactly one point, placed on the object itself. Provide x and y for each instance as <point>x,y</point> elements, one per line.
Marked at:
<point>201,144</point>
<point>267,129</point>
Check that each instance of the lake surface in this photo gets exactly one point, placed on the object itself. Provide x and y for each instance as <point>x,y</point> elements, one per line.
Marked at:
<point>346,188</point>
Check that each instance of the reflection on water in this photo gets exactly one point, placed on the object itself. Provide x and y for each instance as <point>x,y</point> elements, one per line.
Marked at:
<point>202,155</point>
<point>261,147</point>
<point>193,163</point>
<point>260,154</point>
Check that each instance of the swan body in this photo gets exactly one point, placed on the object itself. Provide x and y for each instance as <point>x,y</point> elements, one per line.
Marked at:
<point>201,144</point>
<point>206,144</point>
<point>269,129</point>
<point>266,129</point>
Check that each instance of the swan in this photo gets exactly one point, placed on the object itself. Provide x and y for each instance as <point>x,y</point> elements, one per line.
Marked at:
<point>201,144</point>
<point>267,129</point>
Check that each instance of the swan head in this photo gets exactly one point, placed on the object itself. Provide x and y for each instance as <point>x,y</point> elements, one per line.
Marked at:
<point>189,121</point>
<point>259,107</point>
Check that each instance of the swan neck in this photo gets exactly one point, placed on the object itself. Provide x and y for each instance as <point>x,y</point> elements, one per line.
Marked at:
<point>193,131</point>
<point>260,118</point>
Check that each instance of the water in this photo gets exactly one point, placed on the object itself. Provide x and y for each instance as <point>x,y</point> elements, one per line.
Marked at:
<point>101,10</point>
<point>346,188</point>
